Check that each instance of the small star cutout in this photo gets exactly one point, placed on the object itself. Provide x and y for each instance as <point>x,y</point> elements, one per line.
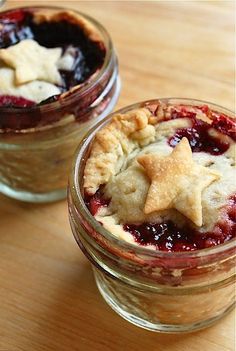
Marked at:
<point>176,182</point>
<point>32,61</point>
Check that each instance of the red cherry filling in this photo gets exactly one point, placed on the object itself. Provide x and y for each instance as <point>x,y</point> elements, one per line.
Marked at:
<point>199,137</point>
<point>95,202</point>
<point>200,140</point>
<point>225,125</point>
<point>13,16</point>
<point>15,101</point>
<point>167,236</point>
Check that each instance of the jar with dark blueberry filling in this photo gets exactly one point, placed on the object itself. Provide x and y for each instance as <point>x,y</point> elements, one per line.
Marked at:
<point>58,77</point>
<point>152,204</point>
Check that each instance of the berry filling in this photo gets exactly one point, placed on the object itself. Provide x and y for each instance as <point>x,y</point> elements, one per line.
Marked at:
<point>94,203</point>
<point>200,140</point>
<point>15,101</point>
<point>167,236</point>
<point>12,29</point>
<point>88,54</point>
<point>198,135</point>
<point>225,126</point>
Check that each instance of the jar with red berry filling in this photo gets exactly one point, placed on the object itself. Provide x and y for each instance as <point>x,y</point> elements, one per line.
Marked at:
<point>160,271</point>
<point>69,83</point>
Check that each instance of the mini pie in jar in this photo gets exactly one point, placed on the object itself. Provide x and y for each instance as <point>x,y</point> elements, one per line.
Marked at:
<point>58,77</point>
<point>152,204</point>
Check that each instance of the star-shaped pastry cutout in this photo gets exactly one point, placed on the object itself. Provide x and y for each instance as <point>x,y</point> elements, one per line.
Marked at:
<point>32,61</point>
<point>176,182</point>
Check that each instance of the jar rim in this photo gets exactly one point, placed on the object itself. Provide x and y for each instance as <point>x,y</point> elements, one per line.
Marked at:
<point>77,197</point>
<point>89,83</point>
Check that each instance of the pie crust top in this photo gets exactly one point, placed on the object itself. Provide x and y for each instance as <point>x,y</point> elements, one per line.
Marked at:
<point>146,179</point>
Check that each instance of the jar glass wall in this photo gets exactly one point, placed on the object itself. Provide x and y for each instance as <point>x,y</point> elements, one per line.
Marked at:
<point>156,290</point>
<point>37,143</point>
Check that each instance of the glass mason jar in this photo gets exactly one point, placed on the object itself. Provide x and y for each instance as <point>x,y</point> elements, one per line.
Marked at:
<point>160,291</point>
<point>37,143</point>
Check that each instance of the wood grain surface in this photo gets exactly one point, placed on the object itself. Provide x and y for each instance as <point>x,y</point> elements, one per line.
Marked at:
<point>48,298</point>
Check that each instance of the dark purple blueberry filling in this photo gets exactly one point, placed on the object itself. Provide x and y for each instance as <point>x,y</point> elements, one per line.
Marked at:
<point>89,55</point>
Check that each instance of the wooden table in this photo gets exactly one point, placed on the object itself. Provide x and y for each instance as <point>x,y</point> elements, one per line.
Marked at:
<point>48,298</point>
